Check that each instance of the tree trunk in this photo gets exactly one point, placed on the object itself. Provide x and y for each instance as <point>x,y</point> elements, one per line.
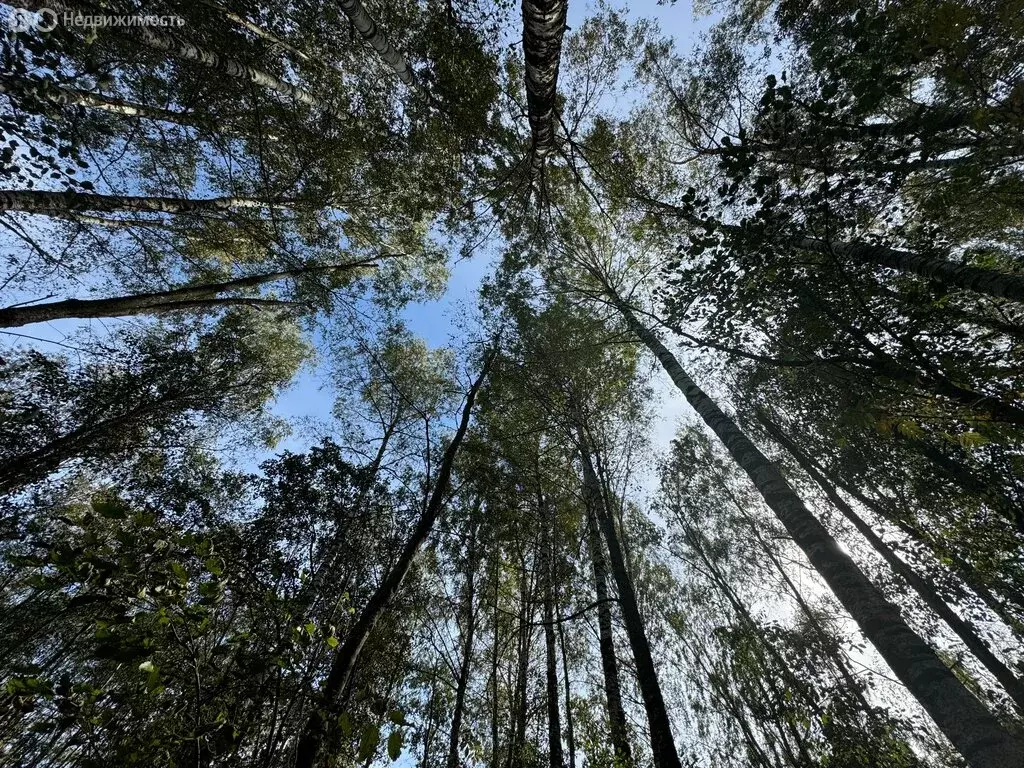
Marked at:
<point>124,306</point>
<point>193,297</point>
<point>26,468</point>
<point>469,622</point>
<point>515,757</point>
<point>428,736</point>
<point>1010,682</point>
<point>348,654</point>
<point>555,755</point>
<point>543,29</point>
<point>38,201</point>
<point>972,729</point>
<point>570,735</point>
<point>258,31</point>
<point>662,744</point>
<point>966,571</point>
<point>495,652</point>
<point>367,29</point>
<point>609,663</point>
<point>66,96</point>
<point>991,282</point>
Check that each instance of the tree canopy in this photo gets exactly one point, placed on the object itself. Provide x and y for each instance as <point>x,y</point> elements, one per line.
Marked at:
<point>490,385</point>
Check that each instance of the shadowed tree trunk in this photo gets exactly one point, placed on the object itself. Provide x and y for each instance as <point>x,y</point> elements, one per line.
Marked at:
<point>14,317</point>
<point>469,624</point>
<point>570,734</point>
<point>543,29</point>
<point>609,663</point>
<point>495,652</point>
<point>259,31</point>
<point>555,755</point>
<point>991,282</point>
<point>39,201</point>
<point>515,756</point>
<point>972,729</point>
<point>964,570</point>
<point>194,297</point>
<point>347,655</point>
<point>367,29</point>
<point>662,744</point>
<point>1010,682</point>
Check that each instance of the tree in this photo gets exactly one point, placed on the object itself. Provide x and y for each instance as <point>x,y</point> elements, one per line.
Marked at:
<point>974,731</point>
<point>347,655</point>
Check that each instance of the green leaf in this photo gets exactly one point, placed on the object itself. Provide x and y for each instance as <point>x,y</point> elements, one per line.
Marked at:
<point>395,745</point>
<point>111,510</point>
<point>397,717</point>
<point>152,676</point>
<point>971,439</point>
<point>179,571</point>
<point>345,723</point>
<point>213,566</point>
<point>310,628</point>
<point>332,642</point>
<point>368,743</point>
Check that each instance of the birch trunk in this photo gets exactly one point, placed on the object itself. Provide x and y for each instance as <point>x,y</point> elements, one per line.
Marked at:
<point>966,571</point>
<point>543,29</point>
<point>469,622</point>
<point>67,96</point>
<point>555,755</point>
<point>183,49</point>
<point>495,649</point>
<point>990,282</point>
<point>570,735</point>
<point>197,297</point>
<point>39,201</point>
<point>973,730</point>
<point>368,30</point>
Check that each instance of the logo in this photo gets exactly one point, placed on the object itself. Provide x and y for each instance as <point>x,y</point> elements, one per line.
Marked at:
<point>22,20</point>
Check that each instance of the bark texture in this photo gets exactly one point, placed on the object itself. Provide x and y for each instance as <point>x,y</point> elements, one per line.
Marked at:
<point>991,282</point>
<point>543,29</point>
<point>368,30</point>
<point>972,728</point>
<point>469,630</point>
<point>76,97</point>
<point>347,655</point>
<point>555,755</point>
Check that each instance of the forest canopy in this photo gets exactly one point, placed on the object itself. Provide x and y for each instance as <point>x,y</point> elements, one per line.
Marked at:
<point>482,384</point>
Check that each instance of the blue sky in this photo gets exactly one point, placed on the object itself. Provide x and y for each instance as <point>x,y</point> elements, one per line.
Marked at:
<point>435,321</point>
<point>310,396</point>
